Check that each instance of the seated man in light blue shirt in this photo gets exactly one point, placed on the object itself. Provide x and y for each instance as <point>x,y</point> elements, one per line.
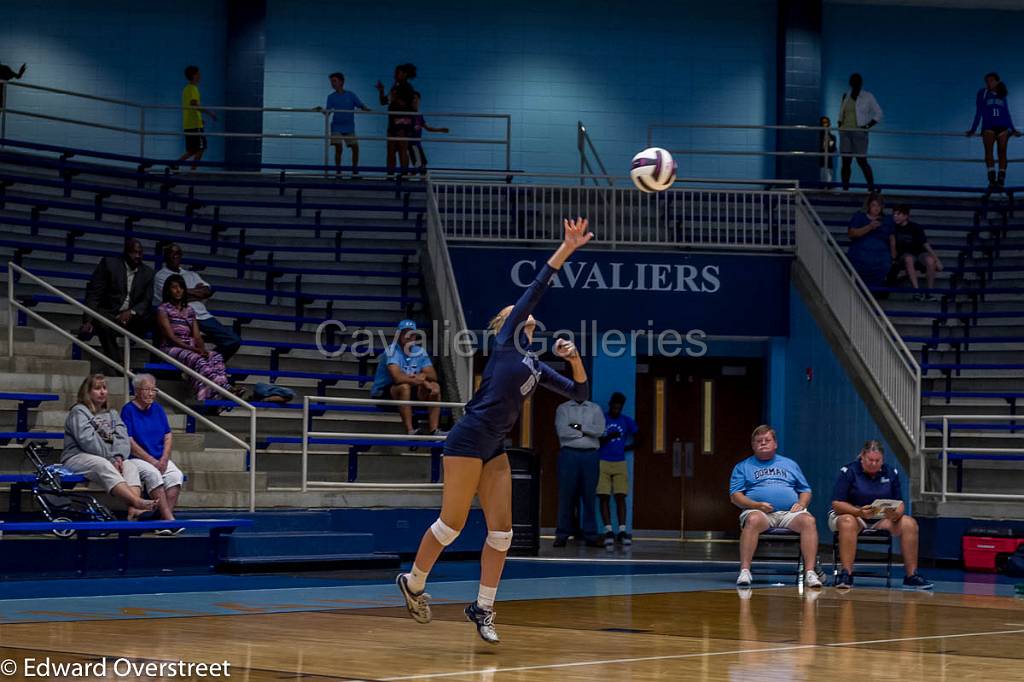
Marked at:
<point>773,493</point>
<point>403,366</point>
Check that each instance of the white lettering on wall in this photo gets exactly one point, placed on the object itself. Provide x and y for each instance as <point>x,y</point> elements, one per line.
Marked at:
<point>625,277</point>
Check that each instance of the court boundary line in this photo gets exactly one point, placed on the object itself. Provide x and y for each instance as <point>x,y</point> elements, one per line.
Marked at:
<point>703,654</point>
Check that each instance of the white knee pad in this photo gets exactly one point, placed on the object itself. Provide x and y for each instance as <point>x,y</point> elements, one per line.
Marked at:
<point>443,533</point>
<point>500,540</point>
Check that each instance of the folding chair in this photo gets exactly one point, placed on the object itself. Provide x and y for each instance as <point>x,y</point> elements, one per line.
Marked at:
<point>867,536</point>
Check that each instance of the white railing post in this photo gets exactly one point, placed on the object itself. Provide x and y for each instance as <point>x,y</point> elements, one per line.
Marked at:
<point>252,458</point>
<point>10,311</point>
<point>305,442</point>
<point>142,132</point>
<point>945,457</point>
<point>127,359</point>
<point>508,142</point>
<point>327,143</point>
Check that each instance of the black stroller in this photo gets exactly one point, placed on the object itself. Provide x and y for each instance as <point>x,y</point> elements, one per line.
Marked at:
<point>59,503</point>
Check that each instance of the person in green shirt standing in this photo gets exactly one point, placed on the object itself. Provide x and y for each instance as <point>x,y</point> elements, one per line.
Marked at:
<point>192,118</point>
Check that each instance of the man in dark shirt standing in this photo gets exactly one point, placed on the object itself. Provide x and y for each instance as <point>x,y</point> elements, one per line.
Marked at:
<point>860,483</point>
<point>909,246</point>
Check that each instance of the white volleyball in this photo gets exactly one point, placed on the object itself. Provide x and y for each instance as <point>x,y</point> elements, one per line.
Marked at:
<point>653,170</point>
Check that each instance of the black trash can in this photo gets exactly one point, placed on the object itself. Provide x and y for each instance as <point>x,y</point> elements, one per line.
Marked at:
<point>525,502</point>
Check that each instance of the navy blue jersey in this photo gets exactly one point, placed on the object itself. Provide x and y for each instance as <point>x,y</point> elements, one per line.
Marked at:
<point>854,486</point>
<point>992,110</point>
<point>513,373</point>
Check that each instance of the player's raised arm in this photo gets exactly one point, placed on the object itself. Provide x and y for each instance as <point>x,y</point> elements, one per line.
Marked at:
<point>576,235</point>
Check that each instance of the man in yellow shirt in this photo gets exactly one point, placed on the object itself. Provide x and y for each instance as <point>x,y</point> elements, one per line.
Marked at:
<point>192,118</point>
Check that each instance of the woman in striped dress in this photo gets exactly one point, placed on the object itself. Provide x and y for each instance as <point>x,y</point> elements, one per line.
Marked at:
<point>180,338</point>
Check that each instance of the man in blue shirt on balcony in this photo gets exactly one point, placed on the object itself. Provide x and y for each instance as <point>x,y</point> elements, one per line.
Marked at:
<point>343,122</point>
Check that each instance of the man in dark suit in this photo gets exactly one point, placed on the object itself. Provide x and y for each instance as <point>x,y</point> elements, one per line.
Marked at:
<point>121,288</point>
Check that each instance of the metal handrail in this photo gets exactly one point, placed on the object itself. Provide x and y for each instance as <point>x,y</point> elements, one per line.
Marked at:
<point>748,219</point>
<point>815,263</point>
<point>13,304</point>
<point>812,154</point>
<point>450,300</point>
<point>143,133</point>
<point>583,142</point>
<point>510,177</point>
<point>944,450</point>
<point>307,433</point>
<point>805,128</point>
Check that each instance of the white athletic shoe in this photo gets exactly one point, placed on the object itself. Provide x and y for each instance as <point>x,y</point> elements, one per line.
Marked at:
<point>745,578</point>
<point>417,603</point>
<point>484,620</point>
<point>811,580</point>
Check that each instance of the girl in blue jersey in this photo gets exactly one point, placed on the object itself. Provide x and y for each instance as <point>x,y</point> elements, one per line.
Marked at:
<point>992,110</point>
<point>475,462</point>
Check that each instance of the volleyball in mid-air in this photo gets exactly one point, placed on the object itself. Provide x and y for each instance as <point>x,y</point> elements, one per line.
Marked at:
<point>653,170</point>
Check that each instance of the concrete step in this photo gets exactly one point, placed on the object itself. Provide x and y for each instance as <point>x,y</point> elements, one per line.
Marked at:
<point>25,364</point>
<point>210,459</point>
<point>288,521</point>
<point>53,420</point>
<point>215,481</point>
<point>271,546</point>
<point>378,497</point>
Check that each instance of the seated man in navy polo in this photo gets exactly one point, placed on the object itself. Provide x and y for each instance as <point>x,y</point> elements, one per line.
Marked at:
<point>773,493</point>
<point>405,367</point>
<point>860,483</point>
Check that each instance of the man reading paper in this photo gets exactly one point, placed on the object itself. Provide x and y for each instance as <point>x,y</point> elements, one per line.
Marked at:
<point>862,500</point>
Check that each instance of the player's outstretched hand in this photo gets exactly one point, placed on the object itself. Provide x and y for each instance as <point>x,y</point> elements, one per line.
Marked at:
<point>566,349</point>
<point>576,234</point>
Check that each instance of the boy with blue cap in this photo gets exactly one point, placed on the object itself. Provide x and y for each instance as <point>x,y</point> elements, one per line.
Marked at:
<point>405,367</point>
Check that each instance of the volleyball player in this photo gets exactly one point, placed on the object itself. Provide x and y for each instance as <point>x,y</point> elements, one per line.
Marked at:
<point>992,110</point>
<point>475,462</point>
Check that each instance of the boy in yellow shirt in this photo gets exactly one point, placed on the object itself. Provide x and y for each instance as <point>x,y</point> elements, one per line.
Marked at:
<point>192,118</point>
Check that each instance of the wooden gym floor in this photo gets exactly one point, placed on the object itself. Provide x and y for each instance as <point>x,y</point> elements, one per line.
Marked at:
<point>654,626</point>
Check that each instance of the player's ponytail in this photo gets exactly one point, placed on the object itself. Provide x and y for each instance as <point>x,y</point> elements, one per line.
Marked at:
<point>498,321</point>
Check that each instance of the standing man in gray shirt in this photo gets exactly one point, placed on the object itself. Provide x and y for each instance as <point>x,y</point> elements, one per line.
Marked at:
<point>579,425</point>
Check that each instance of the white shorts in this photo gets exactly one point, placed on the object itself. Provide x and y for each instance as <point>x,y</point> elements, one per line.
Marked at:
<point>777,519</point>
<point>152,478</point>
<point>865,524</point>
<point>102,471</point>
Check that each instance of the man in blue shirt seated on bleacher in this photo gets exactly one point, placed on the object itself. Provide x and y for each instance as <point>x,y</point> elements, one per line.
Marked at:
<point>404,366</point>
<point>860,484</point>
<point>773,493</point>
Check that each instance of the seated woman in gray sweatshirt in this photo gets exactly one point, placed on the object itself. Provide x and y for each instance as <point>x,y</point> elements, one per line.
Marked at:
<point>96,445</point>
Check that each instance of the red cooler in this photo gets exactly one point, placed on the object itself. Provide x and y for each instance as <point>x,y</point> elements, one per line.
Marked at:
<point>985,551</point>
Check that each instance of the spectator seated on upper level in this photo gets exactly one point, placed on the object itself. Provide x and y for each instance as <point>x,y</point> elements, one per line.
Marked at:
<point>226,340</point>
<point>149,435</point>
<point>870,251</point>
<point>404,367</point>
<point>861,483</point>
<point>910,245</point>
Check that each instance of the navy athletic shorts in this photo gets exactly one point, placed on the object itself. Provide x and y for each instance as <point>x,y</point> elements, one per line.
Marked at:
<point>468,440</point>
